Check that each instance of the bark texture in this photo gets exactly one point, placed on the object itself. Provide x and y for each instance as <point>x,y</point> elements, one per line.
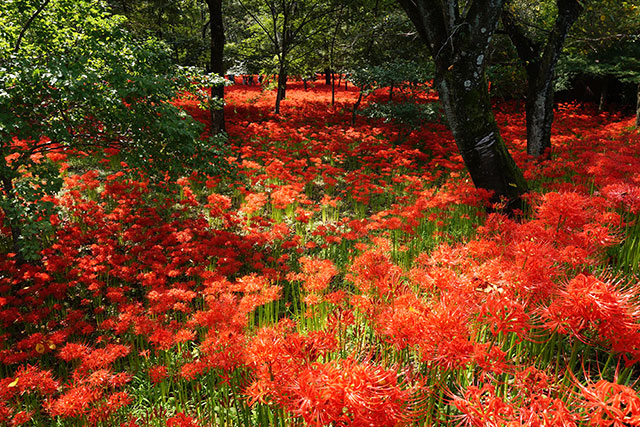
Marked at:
<point>458,41</point>
<point>282,86</point>
<point>539,62</point>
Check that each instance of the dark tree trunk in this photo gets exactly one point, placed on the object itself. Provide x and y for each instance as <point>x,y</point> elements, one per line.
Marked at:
<point>467,106</point>
<point>333,90</point>
<point>539,112</point>
<point>459,46</point>
<point>327,76</point>
<point>338,20</point>
<point>356,105</point>
<point>603,95</point>
<point>540,62</point>
<point>282,86</point>
<point>638,107</point>
<point>217,67</point>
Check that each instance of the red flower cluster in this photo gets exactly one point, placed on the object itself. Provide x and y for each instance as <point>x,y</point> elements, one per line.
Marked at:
<point>347,276</point>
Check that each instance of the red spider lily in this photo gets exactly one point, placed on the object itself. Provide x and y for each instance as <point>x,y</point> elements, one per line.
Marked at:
<point>191,370</point>
<point>223,349</point>
<point>285,195</point>
<point>253,203</point>
<point>5,412</point>
<point>447,336</point>
<point>127,277</point>
<point>481,406</point>
<point>316,274</point>
<point>610,404</point>
<point>74,402</point>
<point>181,420</point>
<point>30,379</point>
<point>21,418</point>
<point>625,194</point>
<point>100,358</point>
<point>491,359</point>
<point>504,315</point>
<point>404,321</point>
<point>373,273</point>
<point>158,373</point>
<point>218,204</point>
<point>588,304</point>
<point>348,393</point>
<point>104,410</point>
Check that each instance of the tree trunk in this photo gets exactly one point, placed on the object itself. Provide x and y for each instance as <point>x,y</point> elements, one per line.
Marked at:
<point>282,85</point>
<point>356,105</point>
<point>603,95</point>
<point>539,62</point>
<point>467,105</point>
<point>333,90</point>
<point>327,76</point>
<point>217,67</point>
<point>459,44</point>
<point>539,112</point>
<point>638,107</point>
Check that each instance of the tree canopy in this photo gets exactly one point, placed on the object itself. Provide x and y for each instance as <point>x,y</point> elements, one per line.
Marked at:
<point>72,78</point>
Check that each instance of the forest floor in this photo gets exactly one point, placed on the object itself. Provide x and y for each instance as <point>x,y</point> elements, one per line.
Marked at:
<point>346,275</point>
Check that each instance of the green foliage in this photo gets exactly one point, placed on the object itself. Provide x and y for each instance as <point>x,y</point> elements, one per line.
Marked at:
<point>280,35</point>
<point>505,73</point>
<point>376,32</point>
<point>604,42</point>
<point>402,75</point>
<point>508,80</point>
<point>409,114</point>
<point>342,36</point>
<point>537,17</point>
<point>181,24</point>
<point>406,78</point>
<point>77,81</point>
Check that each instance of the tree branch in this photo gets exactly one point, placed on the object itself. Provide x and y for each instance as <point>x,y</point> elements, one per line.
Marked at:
<point>485,14</point>
<point>568,12</point>
<point>528,51</point>
<point>28,24</point>
<point>257,21</point>
<point>428,18</point>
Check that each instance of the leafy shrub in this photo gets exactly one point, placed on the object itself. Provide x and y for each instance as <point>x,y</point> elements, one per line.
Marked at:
<point>410,114</point>
<point>72,78</point>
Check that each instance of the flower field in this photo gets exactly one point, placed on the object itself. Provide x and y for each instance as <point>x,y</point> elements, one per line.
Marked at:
<point>345,275</point>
